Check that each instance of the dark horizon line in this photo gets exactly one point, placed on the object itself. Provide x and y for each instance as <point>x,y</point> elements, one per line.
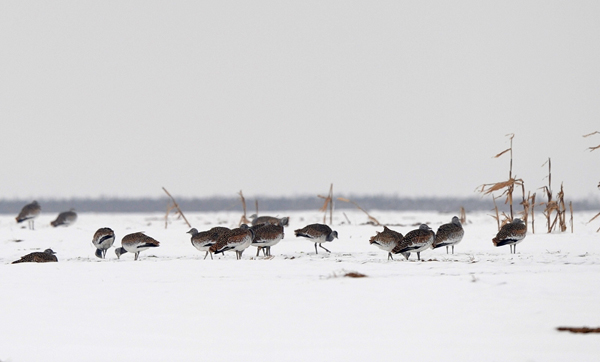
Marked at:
<point>272,203</point>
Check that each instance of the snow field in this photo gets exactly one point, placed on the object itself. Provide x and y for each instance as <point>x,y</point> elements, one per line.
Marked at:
<point>481,303</point>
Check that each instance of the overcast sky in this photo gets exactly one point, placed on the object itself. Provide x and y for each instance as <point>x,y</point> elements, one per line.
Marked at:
<point>119,98</point>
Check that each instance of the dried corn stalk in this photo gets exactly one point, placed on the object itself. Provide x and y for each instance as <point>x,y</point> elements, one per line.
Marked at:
<point>328,202</point>
<point>371,218</point>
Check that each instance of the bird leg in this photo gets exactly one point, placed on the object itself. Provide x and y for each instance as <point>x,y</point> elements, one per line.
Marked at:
<point>390,256</point>
<point>419,255</point>
<point>447,250</point>
<point>136,255</point>
<point>321,246</point>
<point>316,251</point>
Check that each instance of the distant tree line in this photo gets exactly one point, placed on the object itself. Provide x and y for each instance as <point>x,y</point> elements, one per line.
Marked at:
<point>267,204</point>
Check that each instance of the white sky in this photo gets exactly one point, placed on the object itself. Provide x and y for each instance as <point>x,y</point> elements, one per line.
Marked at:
<point>119,98</point>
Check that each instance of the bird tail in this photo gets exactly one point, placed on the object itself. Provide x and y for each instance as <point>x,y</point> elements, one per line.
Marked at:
<point>98,253</point>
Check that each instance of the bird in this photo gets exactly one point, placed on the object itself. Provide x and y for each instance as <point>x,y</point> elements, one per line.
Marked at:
<point>205,239</point>
<point>103,239</point>
<point>449,235</point>
<point>136,243</point>
<point>511,234</point>
<point>259,220</point>
<point>238,239</point>
<point>38,257</point>
<point>267,235</point>
<point>386,240</point>
<point>65,218</point>
<point>415,241</point>
<point>29,212</point>
<point>317,233</point>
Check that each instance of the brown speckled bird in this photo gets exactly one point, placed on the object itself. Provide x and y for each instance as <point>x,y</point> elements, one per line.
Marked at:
<point>449,235</point>
<point>103,239</point>
<point>259,220</point>
<point>415,241</point>
<point>267,235</point>
<point>136,243</point>
<point>386,240</point>
<point>38,257</point>
<point>28,213</point>
<point>317,233</point>
<point>65,218</point>
<point>238,239</point>
<point>511,234</point>
<point>205,239</point>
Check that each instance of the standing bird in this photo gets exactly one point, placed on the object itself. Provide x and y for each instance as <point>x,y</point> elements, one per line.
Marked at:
<point>511,234</point>
<point>317,233</point>
<point>260,220</point>
<point>65,218</point>
<point>415,241</point>
<point>267,235</point>
<point>103,239</point>
<point>386,240</point>
<point>135,243</point>
<point>238,239</point>
<point>449,235</point>
<point>29,212</point>
<point>205,239</point>
<point>38,257</point>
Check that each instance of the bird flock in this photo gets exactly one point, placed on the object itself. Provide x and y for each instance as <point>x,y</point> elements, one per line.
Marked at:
<point>267,231</point>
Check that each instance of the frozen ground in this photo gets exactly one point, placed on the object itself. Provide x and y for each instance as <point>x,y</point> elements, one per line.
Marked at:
<point>481,304</point>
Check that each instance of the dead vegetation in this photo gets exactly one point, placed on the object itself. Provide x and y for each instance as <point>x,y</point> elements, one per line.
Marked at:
<point>372,220</point>
<point>243,219</point>
<point>345,274</point>
<point>555,209</point>
<point>354,275</point>
<point>591,150</point>
<point>555,206</point>
<point>172,205</point>
<point>584,330</point>
<point>327,204</point>
<point>463,216</point>
<point>506,189</point>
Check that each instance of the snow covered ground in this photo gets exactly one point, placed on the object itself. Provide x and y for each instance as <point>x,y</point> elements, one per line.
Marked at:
<point>480,304</point>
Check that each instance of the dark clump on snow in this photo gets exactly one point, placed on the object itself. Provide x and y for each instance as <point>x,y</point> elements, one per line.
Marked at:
<point>584,330</point>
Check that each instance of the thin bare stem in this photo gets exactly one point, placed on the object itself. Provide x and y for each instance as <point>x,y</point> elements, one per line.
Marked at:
<point>243,219</point>
<point>175,205</point>
<point>374,220</point>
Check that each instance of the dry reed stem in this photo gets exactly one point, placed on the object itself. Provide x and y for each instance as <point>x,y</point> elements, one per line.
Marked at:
<point>532,213</point>
<point>591,134</point>
<point>592,219</point>
<point>501,153</point>
<point>593,148</point>
<point>497,217</point>
<point>328,202</point>
<point>346,216</point>
<point>571,207</point>
<point>463,215</point>
<point>374,220</point>
<point>174,206</point>
<point>243,219</point>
